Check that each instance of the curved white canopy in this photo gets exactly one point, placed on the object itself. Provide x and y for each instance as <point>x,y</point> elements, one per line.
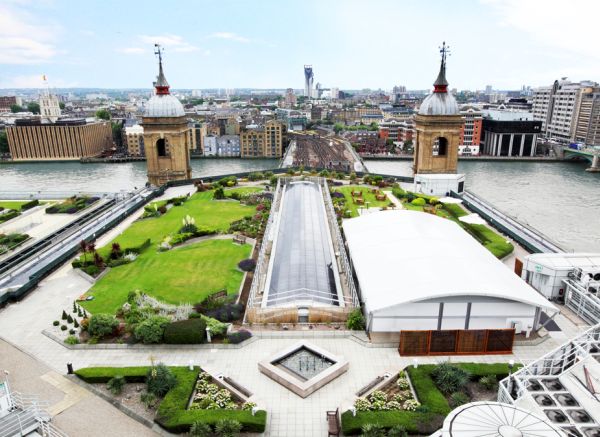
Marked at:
<point>405,256</point>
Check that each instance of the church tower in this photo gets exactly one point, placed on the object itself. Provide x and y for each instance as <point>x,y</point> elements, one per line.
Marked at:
<point>166,133</point>
<point>438,124</point>
<point>49,105</point>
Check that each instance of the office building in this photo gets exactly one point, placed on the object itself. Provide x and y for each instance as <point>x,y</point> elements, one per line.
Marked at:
<point>66,139</point>
<point>509,133</point>
<point>558,108</point>
<point>6,102</point>
<point>308,81</point>
<point>587,129</point>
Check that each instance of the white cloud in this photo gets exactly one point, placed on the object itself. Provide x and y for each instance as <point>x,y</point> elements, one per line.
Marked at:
<point>25,39</point>
<point>174,42</point>
<point>229,36</point>
<point>132,50</point>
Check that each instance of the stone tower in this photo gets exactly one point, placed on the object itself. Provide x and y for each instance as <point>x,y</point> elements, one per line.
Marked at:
<point>438,124</point>
<point>166,134</point>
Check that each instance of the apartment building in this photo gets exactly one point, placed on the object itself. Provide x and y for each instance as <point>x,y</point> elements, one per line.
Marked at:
<point>587,129</point>
<point>262,141</point>
<point>470,134</point>
<point>134,138</point>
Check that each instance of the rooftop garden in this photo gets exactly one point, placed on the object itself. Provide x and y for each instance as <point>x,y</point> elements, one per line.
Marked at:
<point>355,197</point>
<point>72,205</point>
<point>10,242</point>
<point>416,401</point>
<point>9,209</point>
<point>213,410</point>
<point>153,254</point>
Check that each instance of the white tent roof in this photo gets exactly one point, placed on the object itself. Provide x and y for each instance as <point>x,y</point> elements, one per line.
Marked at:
<point>402,256</point>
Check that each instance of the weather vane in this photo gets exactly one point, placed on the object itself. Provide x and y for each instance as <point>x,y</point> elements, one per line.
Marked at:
<point>158,51</point>
<point>444,51</point>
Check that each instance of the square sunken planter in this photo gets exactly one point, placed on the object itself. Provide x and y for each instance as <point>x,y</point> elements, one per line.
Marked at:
<point>303,368</point>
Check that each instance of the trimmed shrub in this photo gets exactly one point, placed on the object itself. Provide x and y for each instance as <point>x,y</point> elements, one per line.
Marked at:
<point>455,210</point>
<point>56,323</point>
<point>151,330</point>
<point>356,320</point>
<point>30,204</point>
<point>71,339</point>
<point>64,315</point>
<point>247,265</point>
<point>219,194</point>
<point>63,327</point>
<point>100,375</point>
<point>8,216</point>
<point>216,328</point>
<point>116,384</point>
<point>227,312</point>
<point>191,331</point>
<point>488,382</point>
<point>419,201</point>
<point>138,249</point>
<point>239,336</point>
<point>102,325</point>
<point>160,380</point>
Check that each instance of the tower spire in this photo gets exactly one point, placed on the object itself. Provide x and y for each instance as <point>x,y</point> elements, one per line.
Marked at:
<point>441,84</point>
<point>161,84</point>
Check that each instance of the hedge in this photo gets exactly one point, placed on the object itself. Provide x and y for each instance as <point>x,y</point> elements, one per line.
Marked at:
<point>99,375</point>
<point>138,249</point>
<point>30,204</point>
<point>431,398</point>
<point>8,216</point>
<point>491,240</point>
<point>172,414</point>
<point>190,331</point>
<point>455,210</point>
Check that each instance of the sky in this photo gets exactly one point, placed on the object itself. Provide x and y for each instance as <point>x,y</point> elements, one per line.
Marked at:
<point>351,44</point>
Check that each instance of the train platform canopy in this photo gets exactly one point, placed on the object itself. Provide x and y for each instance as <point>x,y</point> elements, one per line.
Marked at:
<point>402,257</point>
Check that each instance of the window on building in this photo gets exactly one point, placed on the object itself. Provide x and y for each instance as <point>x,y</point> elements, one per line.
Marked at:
<point>161,147</point>
<point>440,146</point>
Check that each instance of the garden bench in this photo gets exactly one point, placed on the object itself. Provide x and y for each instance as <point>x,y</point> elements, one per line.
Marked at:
<point>380,197</point>
<point>333,423</point>
<point>357,194</point>
<point>359,201</point>
<point>240,239</point>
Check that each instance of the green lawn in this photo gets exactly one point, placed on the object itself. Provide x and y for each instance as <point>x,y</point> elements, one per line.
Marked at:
<point>242,190</point>
<point>366,194</point>
<point>181,275</point>
<point>13,204</point>
<point>207,212</point>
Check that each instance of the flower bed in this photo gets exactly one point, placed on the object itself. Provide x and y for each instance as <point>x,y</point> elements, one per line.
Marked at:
<point>11,241</point>
<point>434,405</point>
<point>172,413</point>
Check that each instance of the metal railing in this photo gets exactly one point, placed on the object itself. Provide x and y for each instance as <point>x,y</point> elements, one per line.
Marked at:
<point>585,304</point>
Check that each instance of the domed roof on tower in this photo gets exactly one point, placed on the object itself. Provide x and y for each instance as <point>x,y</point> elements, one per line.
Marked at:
<point>440,102</point>
<point>162,103</point>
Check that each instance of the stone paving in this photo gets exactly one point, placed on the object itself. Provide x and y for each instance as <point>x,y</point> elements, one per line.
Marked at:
<point>22,324</point>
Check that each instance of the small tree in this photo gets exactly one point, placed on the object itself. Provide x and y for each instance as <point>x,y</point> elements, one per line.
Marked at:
<point>64,315</point>
<point>33,107</point>
<point>98,261</point>
<point>160,380</point>
<point>69,319</point>
<point>75,323</point>
<point>74,306</point>
<point>84,248</point>
<point>103,114</point>
<point>115,251</point>
<point>16,108</point>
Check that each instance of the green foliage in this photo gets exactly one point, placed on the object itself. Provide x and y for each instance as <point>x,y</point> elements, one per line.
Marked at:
<point>191,331</point>
<point>116,384</point>
<point>489,382</point>
<point>228,428</point>
<point>56,323</point>
<point>449,378</point>
<point>71,339</point>
<point>455,210</point>
<point>30,204</point>
<point>216,327</point>
<point>69,319</point>
<point>200,429</point>
<point>356,320</point>
<point>373,430</point>
<point>148,399</point>
<point>102,325</point>
<point>457,399</point>
<point>14,108</point>
<point>492,241</point>
<point>63,327</point>
<point>100,375</point>
<point>159,380</point>
<point>33,107</point>
<point>64,315</point>
<point>219,193</point>
<point>8,216</point>
<point>103,114</point>
<point>256,176</point>
<point>397,431</point>
<point>151,330</point>
<point>419,201</point>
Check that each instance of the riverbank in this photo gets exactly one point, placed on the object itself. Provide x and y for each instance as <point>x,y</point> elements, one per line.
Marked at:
<point>482,158</point>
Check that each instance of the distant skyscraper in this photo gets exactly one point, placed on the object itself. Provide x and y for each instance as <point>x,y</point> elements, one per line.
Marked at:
<point>308,80</point>
<point>488,90</point>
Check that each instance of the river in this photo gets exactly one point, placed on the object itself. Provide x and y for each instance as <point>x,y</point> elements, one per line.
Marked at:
<point>559,199</point>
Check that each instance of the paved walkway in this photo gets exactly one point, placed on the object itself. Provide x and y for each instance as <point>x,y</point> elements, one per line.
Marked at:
<point>22,324</point>
<point>76,411</point>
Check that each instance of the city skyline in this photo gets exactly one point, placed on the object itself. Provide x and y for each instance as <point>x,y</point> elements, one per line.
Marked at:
<point>236,45</point>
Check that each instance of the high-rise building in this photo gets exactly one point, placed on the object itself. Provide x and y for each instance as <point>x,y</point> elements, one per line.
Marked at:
<point>558,108</point>
<point>290,98</point>
<point>166,136</point>
<point>308,81</point>
<point>588,121</point>
<point>334,93</point>
<point>488,90</point>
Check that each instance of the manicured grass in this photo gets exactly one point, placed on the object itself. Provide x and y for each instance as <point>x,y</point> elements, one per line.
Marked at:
<point>207,212</point>
<point>13,204</point>
<point>242,190</point>
<point>366,194</point>
<point>435,403</point>
<point>180,275</point>
<point>172,413</point>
